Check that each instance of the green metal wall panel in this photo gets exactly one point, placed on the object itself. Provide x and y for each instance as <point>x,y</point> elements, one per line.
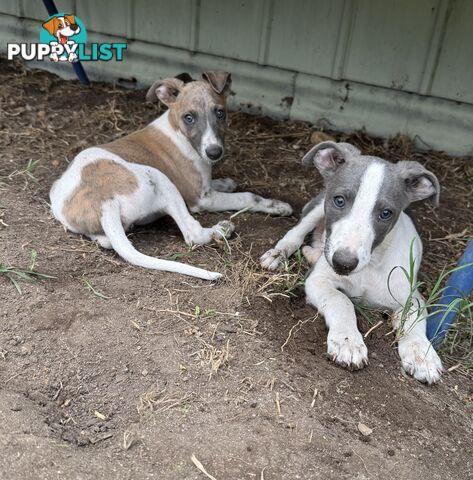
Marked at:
<point>167,22</point>
<point>303,37</point>
<point>35,8</point>
<point>105,17</point>
<point>454,74</point>
<point>389,42</point>
<point>231,28</point>
<point>10,7</point>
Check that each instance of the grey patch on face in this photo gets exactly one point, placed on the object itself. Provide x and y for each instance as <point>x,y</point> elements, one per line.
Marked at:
<point>198,100</point>
<point>395,193</point>
<point>392,196</point>
<point>308,207</point>
<point>258,199</point>
<point>410,213</point>
<point>346,182</point>
<point>218,126</point>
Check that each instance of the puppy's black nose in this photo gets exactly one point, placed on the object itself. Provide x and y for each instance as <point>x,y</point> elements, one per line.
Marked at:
<point>214,152</point>
<point>74,26</point>
<point>344,262</point>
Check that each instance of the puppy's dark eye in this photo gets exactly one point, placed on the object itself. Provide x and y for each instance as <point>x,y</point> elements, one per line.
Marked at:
<point>220,114</point>
<point>189,119</point>
<point>339,201</point>
<point>385,214</point>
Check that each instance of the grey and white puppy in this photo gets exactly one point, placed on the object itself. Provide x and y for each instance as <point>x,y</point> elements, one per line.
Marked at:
<point>367,242</point>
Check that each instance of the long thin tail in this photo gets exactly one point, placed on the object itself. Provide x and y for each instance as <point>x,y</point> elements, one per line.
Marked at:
<point>113,228</point>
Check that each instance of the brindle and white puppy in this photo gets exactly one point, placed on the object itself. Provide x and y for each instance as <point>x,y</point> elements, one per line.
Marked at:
<point>160,170</point>
<point>366,242</point>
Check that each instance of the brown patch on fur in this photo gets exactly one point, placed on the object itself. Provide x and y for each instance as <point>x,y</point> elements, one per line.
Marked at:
<point>101,180</point>
<point>150,146</point>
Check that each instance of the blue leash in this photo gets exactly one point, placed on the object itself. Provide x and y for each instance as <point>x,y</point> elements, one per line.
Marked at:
<point>78,68</point>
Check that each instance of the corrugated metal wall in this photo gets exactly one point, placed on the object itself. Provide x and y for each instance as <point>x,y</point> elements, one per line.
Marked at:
<point>389,65</point>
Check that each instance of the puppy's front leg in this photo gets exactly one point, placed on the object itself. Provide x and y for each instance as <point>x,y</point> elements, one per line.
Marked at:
<point>274,258</point>
<point>215,201</point>
<point>171,202</point>
<point>418,356</point>
<point>345,344</point>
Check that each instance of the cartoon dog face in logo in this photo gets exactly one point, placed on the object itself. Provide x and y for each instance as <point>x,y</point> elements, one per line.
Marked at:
<point>62,28</point>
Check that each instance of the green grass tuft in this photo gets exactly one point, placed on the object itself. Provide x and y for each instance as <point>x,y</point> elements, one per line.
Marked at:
<point>94,290</point>
<point>21,274</point>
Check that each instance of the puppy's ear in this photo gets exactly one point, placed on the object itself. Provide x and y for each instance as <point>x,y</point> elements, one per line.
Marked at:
<point>349,149</point>
<point>51,25</point>
<point>185,77</point>
<point>166,90</point>
<point>326,156</point>
<point>419,182</point>
<point>219,81</point>
<point>71,19</point>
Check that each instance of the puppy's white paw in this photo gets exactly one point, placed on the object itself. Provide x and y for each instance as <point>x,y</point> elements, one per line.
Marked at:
<point>419,359</point>
<point>223,229</point>
<point>276,207</point>
<point>347,349</point>
<point>273,260</point>
<point>224,185</point>
<point>312,254</point>
<point>214,276</point>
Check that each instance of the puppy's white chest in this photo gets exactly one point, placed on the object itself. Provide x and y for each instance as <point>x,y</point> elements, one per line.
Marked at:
<point>369,286</point>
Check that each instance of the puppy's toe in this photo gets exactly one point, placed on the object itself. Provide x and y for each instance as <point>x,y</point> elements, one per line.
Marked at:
<point>282,208</point>
<point>223,229</point>
<point>419,359</point>
<point>229,185</point>
<point>273,260</point>
<point>347,349</point>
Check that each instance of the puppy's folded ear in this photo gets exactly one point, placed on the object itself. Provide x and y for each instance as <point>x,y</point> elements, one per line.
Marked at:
<point>326,156</point>
<point>420,183</point>
<point>219,81</point>
<point>51,25</point>
<point>166,90</point>
<point>71,19</point>
<point>185,77</point>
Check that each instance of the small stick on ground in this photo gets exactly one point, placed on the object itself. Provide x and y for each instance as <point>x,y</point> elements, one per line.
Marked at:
<point>278,405</point>
<point>199,465</point>
<point>299,324</point>
<point>374,327</point>
<point>128,440</point>
<point>316,391</point>
<point>363,462</point>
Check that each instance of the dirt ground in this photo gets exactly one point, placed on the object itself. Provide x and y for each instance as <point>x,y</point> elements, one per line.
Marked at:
<point>165,367</point>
